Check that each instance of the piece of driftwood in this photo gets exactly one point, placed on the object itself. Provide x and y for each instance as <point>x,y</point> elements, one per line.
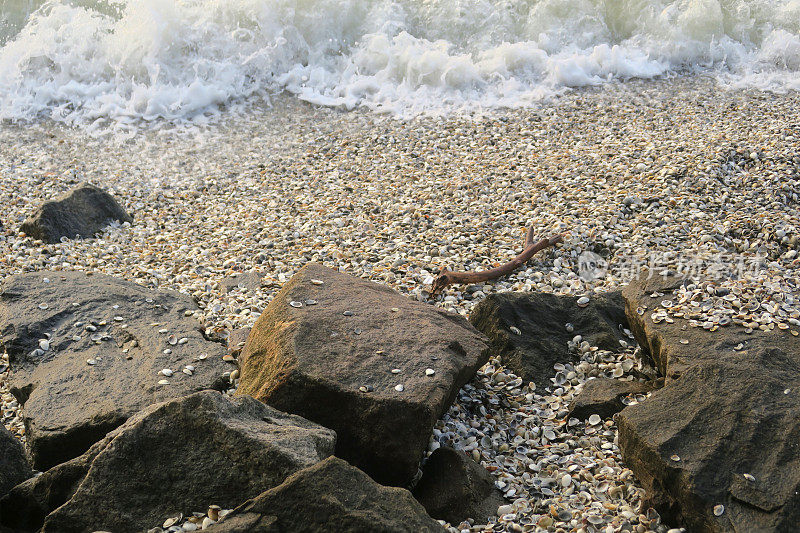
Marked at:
<point>448,277</point>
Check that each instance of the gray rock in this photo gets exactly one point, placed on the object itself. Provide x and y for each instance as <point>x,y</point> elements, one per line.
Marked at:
<point>171,458</point>
<point>249,281</point>
<point>84,211</point>
<point>604,397</point>
<point>730,406</point>
<point>313,360</point>
<point>14,467</point>
<point>453,487</point>
<point>70,404</point>
<point>541,319</point>
<point>329,496</point>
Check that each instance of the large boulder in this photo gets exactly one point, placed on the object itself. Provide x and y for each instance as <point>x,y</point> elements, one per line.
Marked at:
<point>716,448</point>
<point>361,359</point>
<point>83,212</point>
<point>14,466</point>
<point>171,458</point>
<point>329,496</point>
<point>540,334</point>
<point>86,352</point>
<point>453,488</point>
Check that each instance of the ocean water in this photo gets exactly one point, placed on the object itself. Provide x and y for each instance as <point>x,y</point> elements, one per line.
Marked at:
<point>126,64</point>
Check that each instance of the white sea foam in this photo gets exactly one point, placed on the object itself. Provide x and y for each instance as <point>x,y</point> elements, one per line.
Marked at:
<point>122,64</point>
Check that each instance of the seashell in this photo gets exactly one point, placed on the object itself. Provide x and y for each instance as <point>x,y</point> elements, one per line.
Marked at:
<point>310,302</point>
<point>163,382</point>
<point>399,388</point>
<point>187,371</point>
<point>429,371</point>
<point>675,457</point>
<point>317,282</point>
<point>515,330</point>
<point>76,338</point>
<point>594,419</point>
<point>719,510</point>
<point>295,303</point>
<point>583,301</point>
<point>91,362</point>
<point>44,344</point>
<point>43,306</point>
<point>748,477</point>
<point>396,371</point>
<point>172,339</point>
<point>166,372</point>
<point>169,522</point>
<point>183,340</point>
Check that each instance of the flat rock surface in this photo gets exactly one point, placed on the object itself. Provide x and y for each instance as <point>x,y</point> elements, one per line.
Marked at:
<point>176,457</point>
<point>604,396</point>
<point>329,496</point>
<point>540,319</point>
<point>453,487</point>
<point>14,467</point>
<point>68,404</point>
<point>83,211</point>
<point>724,429</point>
<point>327,334</point>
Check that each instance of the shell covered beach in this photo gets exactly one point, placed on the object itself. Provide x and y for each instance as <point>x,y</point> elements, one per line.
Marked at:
<point>675,175</point>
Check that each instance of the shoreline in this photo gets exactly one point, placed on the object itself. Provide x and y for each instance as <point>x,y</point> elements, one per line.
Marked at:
<point>674,169</point>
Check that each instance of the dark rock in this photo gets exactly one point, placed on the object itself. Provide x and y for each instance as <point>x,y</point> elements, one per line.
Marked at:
<point>312,361</point>
<point>14,467</point>
<point>84,211</point>
<point>69,404</point>
<point>171,458</point>
<point>604,397</point>
<point>729,407</point>
<point>329,496</point>
<point>453,487</point>
<point>237,339</point>
<point>249,281</point>
<point>541,319</point>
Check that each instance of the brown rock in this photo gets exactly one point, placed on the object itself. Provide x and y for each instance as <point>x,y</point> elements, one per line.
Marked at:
<point>453,487</point>
<point>82,212</point>
<point>604,397</point>
<point>69,404</point>
<point>329,496</point>
<point>541,319</point>
<point>730,406</point>
<point>14,467</point>
<point>314,360</point>
<point>171,458</point>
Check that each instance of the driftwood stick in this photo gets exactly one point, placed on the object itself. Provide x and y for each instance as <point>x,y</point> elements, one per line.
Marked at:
<point>448,277</point>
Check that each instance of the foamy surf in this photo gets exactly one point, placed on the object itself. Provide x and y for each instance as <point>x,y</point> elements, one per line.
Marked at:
<point>121,65</point>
